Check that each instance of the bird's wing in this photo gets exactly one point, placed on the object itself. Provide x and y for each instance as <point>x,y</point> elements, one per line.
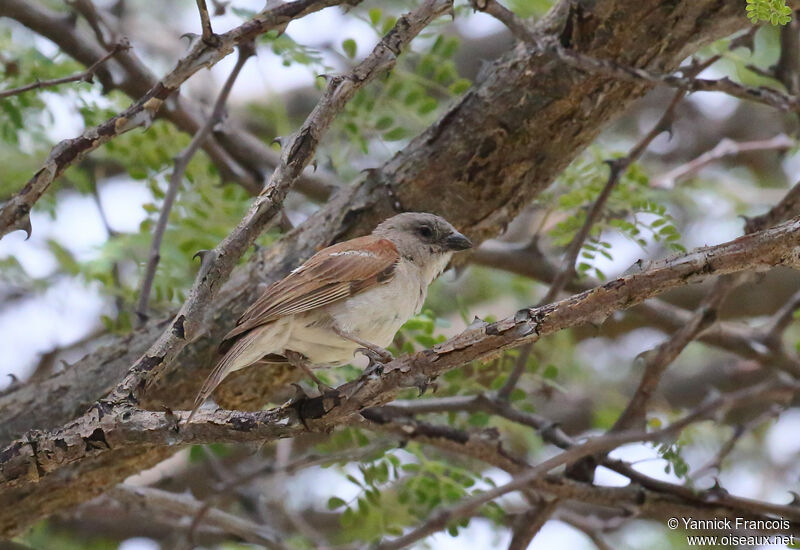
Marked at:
<point>332,274</point>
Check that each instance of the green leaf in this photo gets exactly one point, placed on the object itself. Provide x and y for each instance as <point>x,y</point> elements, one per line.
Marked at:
<point>460,86</point>
<point>335,502</point>
<point>384,123</point>
<point>550,372</point>
<point>395,134</point>
<point>350,47</point>
<point>375,16</point>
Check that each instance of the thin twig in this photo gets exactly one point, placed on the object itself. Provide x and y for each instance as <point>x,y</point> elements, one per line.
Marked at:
<point>724,148</point>
<point>658,359</point>
<point>519,368</point>
<point>205,22</point>
<point>246,50</point>
<point>738,432</point>
<point>530,523</point>
<point>184,504</point>
<point>777,324</point>
<point>87,75</point>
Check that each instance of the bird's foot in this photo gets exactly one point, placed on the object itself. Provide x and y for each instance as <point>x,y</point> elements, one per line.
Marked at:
<point>377,356</point>
<point>299,361</point>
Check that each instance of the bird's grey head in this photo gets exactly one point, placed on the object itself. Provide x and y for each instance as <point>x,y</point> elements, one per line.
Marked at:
<point>425,239</point>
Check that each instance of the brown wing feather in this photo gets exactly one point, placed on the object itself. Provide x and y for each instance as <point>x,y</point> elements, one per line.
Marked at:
<point>332,274</point>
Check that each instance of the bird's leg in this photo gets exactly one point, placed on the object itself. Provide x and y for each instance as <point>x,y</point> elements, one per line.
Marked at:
<point>299,360</point>
<point>375,353</point>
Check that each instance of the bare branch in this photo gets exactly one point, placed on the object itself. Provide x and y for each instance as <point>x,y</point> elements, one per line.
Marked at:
<point>156,499</point>
<point>205,22</point>
<point>246,50</point>
<point>86,75</point>
<point>530,523</point>
<point>781,320</point>
<point>658,359</point>
<point>646,497</point>
<point>516,373</point>
<point>724,148</point>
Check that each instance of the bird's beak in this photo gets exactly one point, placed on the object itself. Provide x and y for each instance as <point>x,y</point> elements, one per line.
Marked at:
<point>457,241</point>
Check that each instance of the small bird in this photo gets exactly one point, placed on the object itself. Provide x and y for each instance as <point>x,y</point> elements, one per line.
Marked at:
<point>352,296</point>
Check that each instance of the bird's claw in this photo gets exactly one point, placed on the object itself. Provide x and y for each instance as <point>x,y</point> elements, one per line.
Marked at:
<point>422,383</point>
<point>376,355</point>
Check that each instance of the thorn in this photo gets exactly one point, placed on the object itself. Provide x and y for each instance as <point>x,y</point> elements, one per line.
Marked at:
<point>201,254</point>
<point>191,38</point>
<point>314,164</point>
<point>279,140</point>
<point>24,224</point>
<point>717,491</point>
<point>795,499</point>
<point>324,76</point>
<point>477,322</point>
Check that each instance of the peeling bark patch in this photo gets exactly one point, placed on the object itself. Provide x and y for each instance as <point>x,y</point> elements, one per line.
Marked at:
<point>177,327</point>
<point>97,440</point>
<point>242,424</point>
<point>148,363</point>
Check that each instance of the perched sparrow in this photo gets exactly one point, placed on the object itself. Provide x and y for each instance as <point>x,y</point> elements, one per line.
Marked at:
<point>350,296</point>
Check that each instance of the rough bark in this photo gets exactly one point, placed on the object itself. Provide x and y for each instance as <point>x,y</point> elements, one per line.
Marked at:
<point>492,153</point>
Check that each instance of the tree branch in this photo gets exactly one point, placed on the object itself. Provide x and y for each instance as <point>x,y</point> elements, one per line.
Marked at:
<point>724,148</point>
<point>547,46</point>
<point>87,75</point>
<point>205,22</point>
<point>496,149</point>
<point>297,154</point>
<point>616,169</point>
<point>165,502</point>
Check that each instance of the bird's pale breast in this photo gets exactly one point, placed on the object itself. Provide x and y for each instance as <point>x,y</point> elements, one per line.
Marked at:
<point>374,315</point>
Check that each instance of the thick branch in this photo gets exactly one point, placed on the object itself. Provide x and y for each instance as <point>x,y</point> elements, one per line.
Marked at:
<point>547,46</point>
<point>41,453</point>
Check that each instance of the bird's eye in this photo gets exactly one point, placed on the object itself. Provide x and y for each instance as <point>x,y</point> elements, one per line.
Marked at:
<point>425,231</point>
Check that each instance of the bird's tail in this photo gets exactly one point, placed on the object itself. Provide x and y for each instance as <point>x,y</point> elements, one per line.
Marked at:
<point>227,364</point>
